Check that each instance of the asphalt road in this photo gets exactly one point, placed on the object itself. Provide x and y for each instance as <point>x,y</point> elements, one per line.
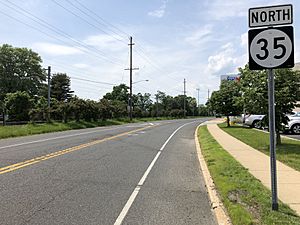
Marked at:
<point>145,173</point>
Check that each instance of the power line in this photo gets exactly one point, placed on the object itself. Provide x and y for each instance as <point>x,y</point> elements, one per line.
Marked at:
<point>80,17</point>
<point>93,81</point>
<point>95,19</point>
<point>44,23</point>
<point>96,15</point>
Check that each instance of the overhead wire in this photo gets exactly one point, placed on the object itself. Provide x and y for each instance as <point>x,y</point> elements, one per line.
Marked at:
<point>83,19</point>
<point>99,17</point>
<point>145,57</point>
<point>95,20</point>
<point>62,33</point>
<point>92,50</point>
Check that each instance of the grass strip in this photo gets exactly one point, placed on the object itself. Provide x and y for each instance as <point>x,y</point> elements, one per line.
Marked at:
<point>32,128</point>
<point>288,152</point>
<point>246,199</point>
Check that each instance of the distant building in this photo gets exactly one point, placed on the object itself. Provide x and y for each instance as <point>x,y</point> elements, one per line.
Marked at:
<point>231,77</point>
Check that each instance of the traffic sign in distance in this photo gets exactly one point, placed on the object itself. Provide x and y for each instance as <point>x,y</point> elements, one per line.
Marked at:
<point>271,48</point>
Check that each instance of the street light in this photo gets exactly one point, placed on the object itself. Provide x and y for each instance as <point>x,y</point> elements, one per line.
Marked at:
<point>140,81</point>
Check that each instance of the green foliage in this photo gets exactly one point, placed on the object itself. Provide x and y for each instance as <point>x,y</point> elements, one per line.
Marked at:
<point>119,93</point>
<point>20,70</point>
<point>60,87</point>
<point>224,100</point>
<point>254,86</point>
<point>40,109</point>
<point>246,199</point>
<point>18,105</point>
<point>288,152</point>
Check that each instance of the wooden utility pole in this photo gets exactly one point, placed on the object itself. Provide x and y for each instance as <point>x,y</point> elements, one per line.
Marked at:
<point>184,100</point>
<point>49,92</point>
<point>130,79</point>
<point>198,89</point>
<point>157,105</point>
<point>49,85</point>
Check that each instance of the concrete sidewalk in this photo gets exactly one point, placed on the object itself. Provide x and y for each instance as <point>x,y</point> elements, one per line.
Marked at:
<point>258,165</point>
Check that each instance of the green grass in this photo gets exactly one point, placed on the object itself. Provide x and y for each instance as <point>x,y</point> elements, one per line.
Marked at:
<point>247,201</point>
<point>30,129</point>
<point>288,152</point>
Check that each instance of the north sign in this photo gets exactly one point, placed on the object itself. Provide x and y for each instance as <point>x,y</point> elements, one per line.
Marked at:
<point>271,48</point>
<point>271,16</point>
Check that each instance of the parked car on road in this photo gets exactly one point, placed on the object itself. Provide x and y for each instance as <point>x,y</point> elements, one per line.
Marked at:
<point>253,120</point>
<point>294,123</point>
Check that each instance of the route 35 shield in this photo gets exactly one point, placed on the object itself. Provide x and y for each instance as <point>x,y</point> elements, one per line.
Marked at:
<point>271,48</point>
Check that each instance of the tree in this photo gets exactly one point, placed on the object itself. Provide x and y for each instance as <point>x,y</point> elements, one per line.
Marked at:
<point>18,105</point>
<point>255,94</point>
<point>119,93</point>
<point>20,70</point>
<point>105,109</point>
<point>143,102</point>
<point>224,100</point>
<point>60,87</point>
<point>40,109</point>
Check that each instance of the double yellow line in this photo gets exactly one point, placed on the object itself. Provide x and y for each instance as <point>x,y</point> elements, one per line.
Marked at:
<point>29,162</point>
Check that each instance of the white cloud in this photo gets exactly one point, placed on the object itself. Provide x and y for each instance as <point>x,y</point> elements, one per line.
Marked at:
<point>107,42</point>
<point>81,65</point>
<point>297,50</point>
<point>223,61</point>
<point>55,49</point>
<point>159,13</point>
<point>244,40</point>
<point>220,9</point>
<point>200,36</point>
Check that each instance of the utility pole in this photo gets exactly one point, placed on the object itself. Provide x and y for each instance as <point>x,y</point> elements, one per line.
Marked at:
<point>49,92</point>
<point>184,103</point>
<point>157,105</point>
<point>208,100</point>
<point>198,89</point>
<point>130,80</point>
<point>49,83</point>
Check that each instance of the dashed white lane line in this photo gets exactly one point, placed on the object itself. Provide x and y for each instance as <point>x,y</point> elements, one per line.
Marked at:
<point>135,192</point>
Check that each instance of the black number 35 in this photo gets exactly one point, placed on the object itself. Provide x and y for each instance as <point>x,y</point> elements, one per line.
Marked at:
<point>277,45</point>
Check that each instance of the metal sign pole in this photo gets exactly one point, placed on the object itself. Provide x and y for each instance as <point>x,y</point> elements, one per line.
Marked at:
<point>272,138</point>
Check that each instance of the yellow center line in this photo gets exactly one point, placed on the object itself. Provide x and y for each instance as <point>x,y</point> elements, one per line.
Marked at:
<point>29,162</point>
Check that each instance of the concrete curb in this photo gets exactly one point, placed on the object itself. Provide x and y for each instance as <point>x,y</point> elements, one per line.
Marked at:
<point>216,204</point>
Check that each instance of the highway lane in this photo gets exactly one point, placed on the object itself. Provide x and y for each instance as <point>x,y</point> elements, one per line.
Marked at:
<point>92,185</point>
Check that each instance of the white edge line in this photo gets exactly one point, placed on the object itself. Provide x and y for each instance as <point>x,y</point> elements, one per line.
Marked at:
<point>54,138</point>
<point>135,192</point>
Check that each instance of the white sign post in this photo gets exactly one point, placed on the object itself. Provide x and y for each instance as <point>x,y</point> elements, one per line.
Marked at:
<point>271,48</point>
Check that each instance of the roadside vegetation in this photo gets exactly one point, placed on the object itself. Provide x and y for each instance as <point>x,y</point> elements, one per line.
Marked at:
<point>40,128</point>
<point>249,94</point>
<point>24,97</point>
<point>247,201</point>
<point>288,152</point>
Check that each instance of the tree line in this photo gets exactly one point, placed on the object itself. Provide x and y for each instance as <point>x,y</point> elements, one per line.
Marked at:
<point>250,95</point>
<point>23,95</point>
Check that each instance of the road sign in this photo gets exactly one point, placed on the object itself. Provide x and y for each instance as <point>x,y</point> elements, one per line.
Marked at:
<point>271,16</point>
<point>271,48</point>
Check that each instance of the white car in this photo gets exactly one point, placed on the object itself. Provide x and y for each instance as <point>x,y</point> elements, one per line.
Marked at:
<point>254,120</point>
<point>294,123</point>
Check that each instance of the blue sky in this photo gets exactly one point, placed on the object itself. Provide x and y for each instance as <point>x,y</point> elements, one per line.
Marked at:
<point>196,40</point>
